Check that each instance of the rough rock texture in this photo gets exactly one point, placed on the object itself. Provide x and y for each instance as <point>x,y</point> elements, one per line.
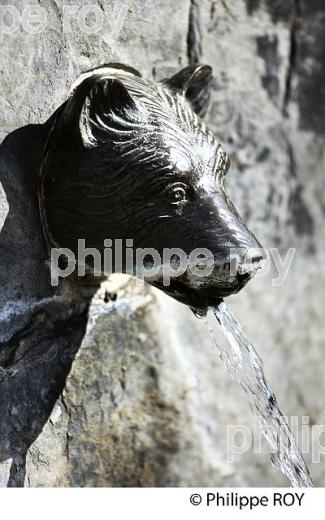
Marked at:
<point>147,401</point>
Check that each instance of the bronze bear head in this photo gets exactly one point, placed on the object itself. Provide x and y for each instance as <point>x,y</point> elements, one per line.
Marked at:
<point>131,159</point>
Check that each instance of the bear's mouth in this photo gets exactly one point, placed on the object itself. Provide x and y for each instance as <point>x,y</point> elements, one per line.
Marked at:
<point>201,297</point>
<point>203,292</point>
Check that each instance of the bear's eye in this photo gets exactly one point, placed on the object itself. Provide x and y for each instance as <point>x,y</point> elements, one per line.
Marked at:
<point>177,192</point>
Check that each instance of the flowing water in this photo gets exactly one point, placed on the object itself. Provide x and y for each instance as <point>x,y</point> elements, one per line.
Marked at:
<point>246,367</point>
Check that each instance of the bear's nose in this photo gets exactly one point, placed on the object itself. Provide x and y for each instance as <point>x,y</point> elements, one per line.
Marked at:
<point>251,261</point>
<point>254,255</point>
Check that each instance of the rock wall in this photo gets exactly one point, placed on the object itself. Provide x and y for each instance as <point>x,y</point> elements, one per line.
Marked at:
<point>146,401</point>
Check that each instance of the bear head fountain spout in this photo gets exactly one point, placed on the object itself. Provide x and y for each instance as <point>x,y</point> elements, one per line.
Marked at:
<point>129,160</point>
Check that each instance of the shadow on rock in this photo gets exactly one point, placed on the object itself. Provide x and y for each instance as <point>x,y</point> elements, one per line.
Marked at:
<point>41,327</point>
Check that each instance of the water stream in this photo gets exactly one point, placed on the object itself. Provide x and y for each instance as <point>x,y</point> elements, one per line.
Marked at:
<point>246,367</point>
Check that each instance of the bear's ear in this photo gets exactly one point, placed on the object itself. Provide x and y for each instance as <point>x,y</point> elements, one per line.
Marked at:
<point>102,107</point>
<point>192,82</point>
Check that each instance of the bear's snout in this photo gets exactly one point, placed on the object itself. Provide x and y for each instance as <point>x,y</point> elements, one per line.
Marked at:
<point>224,279</point>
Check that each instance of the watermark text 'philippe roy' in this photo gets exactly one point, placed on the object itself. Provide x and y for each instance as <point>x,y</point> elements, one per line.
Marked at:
<point>88,19</point>
<point>147,263</point>
<point>310,438</point>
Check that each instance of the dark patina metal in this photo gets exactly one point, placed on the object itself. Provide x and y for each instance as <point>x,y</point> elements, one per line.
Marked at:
<point>128,158</point>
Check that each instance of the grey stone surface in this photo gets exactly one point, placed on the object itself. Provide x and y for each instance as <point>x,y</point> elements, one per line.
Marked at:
<point>147,401</point>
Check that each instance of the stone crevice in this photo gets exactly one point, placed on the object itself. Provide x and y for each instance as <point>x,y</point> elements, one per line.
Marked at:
<point>292,59</point>
<point>194,34</point>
